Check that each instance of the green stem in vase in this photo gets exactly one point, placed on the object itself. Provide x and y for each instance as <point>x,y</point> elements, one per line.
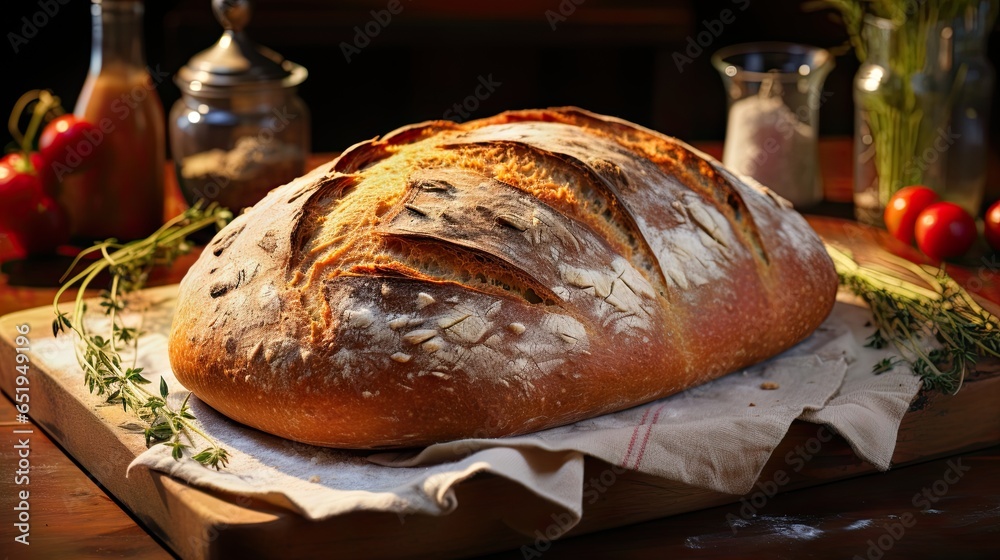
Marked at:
<point>906,101</point>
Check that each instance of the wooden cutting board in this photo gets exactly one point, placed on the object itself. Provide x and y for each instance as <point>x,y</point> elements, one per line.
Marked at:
<point>199,524</point>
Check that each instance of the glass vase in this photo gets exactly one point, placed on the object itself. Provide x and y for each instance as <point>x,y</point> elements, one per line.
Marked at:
<point>974,78</point>
<point>902,113</point>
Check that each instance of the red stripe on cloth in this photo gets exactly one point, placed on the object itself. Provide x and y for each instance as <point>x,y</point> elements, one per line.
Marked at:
<point>645,440</point>
<point>635,434</point>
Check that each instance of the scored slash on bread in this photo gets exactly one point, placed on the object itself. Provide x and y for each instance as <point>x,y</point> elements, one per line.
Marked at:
<point>492,278</point>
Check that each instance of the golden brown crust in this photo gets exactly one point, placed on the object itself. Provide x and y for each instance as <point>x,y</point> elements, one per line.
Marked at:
<point>492,278</point>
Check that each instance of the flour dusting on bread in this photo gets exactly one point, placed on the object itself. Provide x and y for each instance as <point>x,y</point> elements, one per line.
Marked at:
<point>497,276</point>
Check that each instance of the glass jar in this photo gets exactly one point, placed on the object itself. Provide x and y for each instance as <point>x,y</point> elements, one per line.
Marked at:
<point>774,92</point>
<point>119,193</point>
<point>239,128</point>
<point>234,147</point>
<point>901,114</point>
<point>974,78</point>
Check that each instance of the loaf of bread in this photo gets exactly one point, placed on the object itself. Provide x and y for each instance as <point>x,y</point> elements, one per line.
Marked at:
<point>492,278</point>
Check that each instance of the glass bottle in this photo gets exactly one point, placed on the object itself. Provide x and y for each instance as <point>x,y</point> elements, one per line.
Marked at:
<point>119,191</point>
<point>901,114</point>
<point>974,78</point>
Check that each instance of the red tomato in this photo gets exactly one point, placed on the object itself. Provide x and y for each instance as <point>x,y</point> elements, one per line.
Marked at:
<point>992,223</point>
<point>31,220</point>
<point>67,143</point>
<point>40,230</point>
<point>45,228</point>
<point>945,230</point>
<point>18,193</point>
<point>901,213</point>
<point>36,165</point>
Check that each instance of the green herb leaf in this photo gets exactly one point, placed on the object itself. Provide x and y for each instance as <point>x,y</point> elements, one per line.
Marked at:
<point>99,355</point>
<point>885,365</point>
<point>177,451</point>
<point>217,458</point>
<point>931,321</point>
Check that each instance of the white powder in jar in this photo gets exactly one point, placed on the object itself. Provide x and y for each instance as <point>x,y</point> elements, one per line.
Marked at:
<point>765,140</point>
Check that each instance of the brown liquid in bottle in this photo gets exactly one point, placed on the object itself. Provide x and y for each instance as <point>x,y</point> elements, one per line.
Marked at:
<point>119,191</point>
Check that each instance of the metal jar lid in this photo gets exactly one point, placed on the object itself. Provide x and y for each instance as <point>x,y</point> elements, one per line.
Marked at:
<point>236,62</point>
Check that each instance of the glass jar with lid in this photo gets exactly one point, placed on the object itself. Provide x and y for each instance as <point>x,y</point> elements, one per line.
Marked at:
<point>239,128</point>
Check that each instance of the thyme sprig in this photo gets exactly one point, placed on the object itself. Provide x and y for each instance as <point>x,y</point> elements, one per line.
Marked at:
<point>106,373</point>
<point>935,326</point>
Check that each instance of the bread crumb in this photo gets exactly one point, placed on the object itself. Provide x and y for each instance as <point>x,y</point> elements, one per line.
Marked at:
<point>314,479</point>
<point>769,386</point>
<point>752,404</point>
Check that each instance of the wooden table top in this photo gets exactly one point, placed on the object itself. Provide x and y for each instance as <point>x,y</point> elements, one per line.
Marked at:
<point>73,517</point>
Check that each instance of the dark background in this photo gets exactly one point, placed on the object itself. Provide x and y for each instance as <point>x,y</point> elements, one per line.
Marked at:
<point>612,57</point>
